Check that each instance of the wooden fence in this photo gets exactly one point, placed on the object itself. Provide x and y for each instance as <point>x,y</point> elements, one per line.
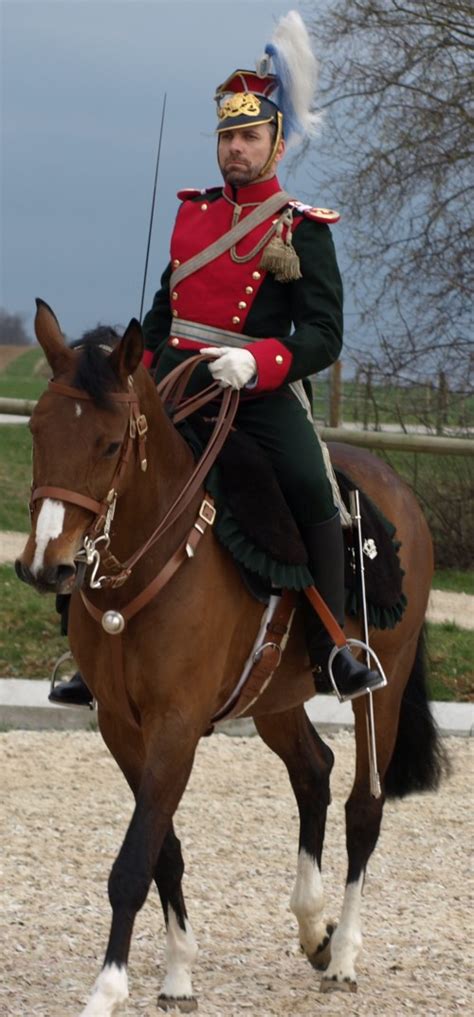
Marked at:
<point>371,400</point>
<point>382,440</point>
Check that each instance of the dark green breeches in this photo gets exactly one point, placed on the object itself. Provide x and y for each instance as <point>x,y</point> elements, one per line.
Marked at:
<point>279,424</point>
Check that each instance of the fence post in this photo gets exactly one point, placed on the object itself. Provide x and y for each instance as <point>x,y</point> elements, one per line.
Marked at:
<point>367,396</point>
<point>442,403</point>
<point>355,415</point>
<point>335,395</point>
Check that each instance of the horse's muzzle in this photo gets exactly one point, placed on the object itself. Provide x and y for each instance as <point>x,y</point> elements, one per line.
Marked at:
<point>52,579</point>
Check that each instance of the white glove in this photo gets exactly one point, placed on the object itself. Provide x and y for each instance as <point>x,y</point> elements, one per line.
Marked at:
<point>232,367</point>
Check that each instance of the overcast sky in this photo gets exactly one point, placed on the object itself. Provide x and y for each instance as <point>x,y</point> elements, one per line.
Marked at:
<point>82,85</point>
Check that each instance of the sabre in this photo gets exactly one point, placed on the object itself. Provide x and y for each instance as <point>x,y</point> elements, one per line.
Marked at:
<point>153,205</point>
<point>375,785</point>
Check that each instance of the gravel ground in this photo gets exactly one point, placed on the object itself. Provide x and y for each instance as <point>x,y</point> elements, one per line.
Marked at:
<point>67,808</point>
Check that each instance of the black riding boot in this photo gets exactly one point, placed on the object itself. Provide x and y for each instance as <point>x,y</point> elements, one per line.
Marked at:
<point>325,547</point>
<point>72,693</point>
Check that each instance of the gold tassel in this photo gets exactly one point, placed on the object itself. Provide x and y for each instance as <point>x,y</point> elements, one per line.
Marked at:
<point>279,256</point>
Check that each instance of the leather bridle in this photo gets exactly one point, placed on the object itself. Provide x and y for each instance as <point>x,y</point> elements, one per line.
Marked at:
<point>136,429</point>
<point>170,390</point>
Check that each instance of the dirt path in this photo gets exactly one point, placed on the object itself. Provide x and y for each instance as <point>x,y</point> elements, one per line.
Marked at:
<point>9,353</point>
<point>67,808</point>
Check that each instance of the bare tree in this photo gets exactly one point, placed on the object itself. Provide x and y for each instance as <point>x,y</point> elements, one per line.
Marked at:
<point>397,91</point>
<point>12,329</point>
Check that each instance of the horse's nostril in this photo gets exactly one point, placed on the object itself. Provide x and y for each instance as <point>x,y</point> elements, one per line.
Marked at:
<point>22,571</point>
<point>53,579</point>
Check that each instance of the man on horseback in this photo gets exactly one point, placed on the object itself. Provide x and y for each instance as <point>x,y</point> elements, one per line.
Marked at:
<point>269,306</point>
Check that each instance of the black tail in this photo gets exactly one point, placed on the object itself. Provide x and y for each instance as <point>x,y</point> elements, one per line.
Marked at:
<point>419,760</point>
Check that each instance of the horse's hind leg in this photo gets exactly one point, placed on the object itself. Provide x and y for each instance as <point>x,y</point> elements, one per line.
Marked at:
<point>364,817</point>
<point>309,762</point>
<point>181,946</point>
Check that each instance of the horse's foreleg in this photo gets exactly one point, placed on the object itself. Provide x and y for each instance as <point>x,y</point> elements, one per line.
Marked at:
<point>181,946</point>
<point>163,781</point>
<point>309,762</point>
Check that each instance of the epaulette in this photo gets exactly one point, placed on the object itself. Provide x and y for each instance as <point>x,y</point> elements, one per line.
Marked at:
<point>188,193</point>
<point>327,215</point>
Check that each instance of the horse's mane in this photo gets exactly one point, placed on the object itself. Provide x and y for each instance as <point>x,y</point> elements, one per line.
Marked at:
<point>94,373</point>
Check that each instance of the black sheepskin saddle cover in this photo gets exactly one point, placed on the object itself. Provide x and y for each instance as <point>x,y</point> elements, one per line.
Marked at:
<point>255,523</point>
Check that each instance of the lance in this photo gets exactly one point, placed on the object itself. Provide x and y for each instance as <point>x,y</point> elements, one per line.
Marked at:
<point>153,204</point>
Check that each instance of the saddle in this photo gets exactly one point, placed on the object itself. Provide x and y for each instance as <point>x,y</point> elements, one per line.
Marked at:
<point>255,523</point>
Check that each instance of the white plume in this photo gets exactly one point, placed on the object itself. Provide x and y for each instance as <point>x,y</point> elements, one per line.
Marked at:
<point>297,70</point>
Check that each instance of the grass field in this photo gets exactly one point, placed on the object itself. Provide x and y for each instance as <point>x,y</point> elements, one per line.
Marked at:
<point>15,476</point>
<point>29,636</point>
<point>25,377</point>
<point>454,580</point>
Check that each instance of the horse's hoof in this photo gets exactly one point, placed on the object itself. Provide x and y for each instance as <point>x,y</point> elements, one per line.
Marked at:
<point>335,985</point>
<point>186,1004</point>
<point>321,957</point>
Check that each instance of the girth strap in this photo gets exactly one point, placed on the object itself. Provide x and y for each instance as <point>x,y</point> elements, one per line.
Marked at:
<point>266,661</point>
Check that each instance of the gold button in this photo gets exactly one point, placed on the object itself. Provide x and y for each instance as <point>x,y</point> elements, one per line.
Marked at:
<point>204,207</point>
<point>279,358</point>
<point>235,320</point>
<point>175,314</point>
<point>176,263</point>
<point>174,295</point>
<point>256,275</point>
<point>175,341</point>
<point>241,305</point>
<point>249,289</point>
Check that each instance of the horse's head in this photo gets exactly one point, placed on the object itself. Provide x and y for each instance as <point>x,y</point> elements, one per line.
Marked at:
<point>82,428</point>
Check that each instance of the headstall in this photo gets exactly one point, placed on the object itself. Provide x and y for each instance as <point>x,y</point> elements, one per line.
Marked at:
<point>171,390</point>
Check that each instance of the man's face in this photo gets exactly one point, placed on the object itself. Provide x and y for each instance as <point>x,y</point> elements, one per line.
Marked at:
<point>242,154</point>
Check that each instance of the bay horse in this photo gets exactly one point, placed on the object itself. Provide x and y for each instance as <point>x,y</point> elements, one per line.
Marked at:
<point>184,650</point>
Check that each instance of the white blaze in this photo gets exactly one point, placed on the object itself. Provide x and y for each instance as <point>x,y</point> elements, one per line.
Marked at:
<point>49,526</point>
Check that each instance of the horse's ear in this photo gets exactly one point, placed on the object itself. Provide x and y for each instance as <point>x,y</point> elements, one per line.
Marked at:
<point>51,339</point>
<point>128,354</point>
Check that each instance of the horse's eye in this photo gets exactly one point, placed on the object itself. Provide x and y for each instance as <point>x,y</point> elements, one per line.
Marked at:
<point>112,449</point>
